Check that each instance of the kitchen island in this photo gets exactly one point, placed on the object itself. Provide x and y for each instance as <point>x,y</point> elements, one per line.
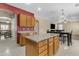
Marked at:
<point>41,44</point>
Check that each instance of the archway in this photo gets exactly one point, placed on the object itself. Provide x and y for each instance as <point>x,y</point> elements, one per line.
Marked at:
<point>7,25</point>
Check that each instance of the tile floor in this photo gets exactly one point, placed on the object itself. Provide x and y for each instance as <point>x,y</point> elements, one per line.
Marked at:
<point>73,50</point>
<point>10,48</point>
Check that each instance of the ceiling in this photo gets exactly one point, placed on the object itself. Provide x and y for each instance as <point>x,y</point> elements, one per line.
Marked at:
<point>51,11</point>
<point>5,15</point>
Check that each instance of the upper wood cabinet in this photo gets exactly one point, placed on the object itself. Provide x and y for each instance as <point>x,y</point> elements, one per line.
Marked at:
<point>32,22</point>
<point>22,20</point>
<point>26,21</point>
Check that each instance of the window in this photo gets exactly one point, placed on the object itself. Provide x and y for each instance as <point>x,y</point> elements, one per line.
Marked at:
<point>4,27</point>
<point>60,26</point>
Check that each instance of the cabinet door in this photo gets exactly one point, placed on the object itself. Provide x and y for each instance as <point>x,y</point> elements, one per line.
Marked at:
<point>28,23</point>
<point>22,20</point>
<point>51,47</point>
<point>50,50</point>
<point>56,44</point>
<point>22,40</point>
<point>32,21</point>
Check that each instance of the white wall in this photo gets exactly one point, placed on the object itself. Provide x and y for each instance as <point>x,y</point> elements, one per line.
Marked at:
<point>71,26</point>
<point>13,27</point>
<point>43,25</point>
<point>74,26</point>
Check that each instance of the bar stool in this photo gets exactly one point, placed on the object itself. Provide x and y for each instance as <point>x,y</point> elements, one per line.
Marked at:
<point>63,38</point>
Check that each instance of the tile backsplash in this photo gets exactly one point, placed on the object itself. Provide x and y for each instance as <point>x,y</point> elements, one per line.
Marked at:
<point>25,29</point>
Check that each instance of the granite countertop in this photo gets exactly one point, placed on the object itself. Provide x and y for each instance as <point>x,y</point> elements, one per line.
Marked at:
<point>40,37</point>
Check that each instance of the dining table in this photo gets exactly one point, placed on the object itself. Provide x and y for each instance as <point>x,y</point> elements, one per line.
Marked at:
<point>62,32</point>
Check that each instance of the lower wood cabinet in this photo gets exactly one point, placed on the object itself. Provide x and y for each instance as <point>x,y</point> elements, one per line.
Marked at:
<point>22,40</point>
<point>51,47</point>
<point>34,49</point>
<point>47,47</point>
<point>42,43</point>
<point>56,44</point>
<point>43,48</point>
<point>44,53</point>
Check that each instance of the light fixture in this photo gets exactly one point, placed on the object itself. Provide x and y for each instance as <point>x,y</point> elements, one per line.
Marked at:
<point>7,21</point>
<point>63,17</point>
<point>39,9</point>
<point>65,21</point>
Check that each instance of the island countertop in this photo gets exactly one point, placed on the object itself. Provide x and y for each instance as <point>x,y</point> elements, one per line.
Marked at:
<point>40,37</point>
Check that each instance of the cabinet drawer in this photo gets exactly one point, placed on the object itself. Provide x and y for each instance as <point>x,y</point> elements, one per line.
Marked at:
<point>51,40</point>
<point>44,53</point>
<point>56,37</point>
<point>42,43</point>
<point>41,49</point>
<point>51,44</point>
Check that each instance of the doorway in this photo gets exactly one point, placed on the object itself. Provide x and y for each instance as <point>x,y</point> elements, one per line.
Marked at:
<point>7,25</point>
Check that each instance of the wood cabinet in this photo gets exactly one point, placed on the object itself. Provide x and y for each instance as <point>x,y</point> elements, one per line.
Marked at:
<point>43,48</point>
<point>51,46</point>
<point>47,47</point>
<point>26,21</point>
<point>30,21</point>
<point>33,21</point>
<point>22,20</point>
<point>35,49</point>
<point>42,43</point>
<point>56,44</point>
<point>44,53</point>
<point>22,40</point>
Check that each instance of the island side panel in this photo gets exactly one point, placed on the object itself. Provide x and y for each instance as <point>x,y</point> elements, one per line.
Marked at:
<point>51,46</point>
<point>31,48</point>
<point>56,44</point>
<point>36,49</point>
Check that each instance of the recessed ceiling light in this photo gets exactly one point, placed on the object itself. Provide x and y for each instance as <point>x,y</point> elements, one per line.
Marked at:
<point>39,9</point>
